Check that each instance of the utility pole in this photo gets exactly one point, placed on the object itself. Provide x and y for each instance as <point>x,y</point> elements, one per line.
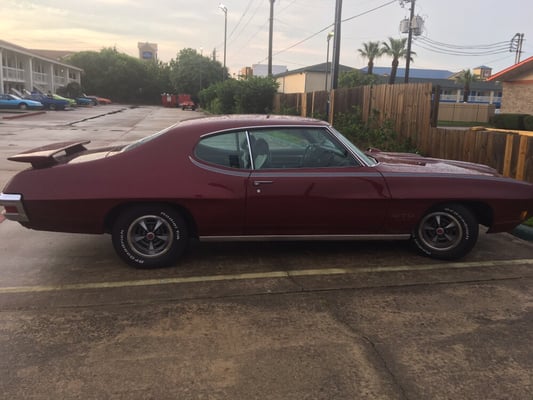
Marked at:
<point>516,45</point>
<point>409,41</point>
<point>270,34</point>
<point>225,11</point>
<point>336,45</point>
<point>328,38</point>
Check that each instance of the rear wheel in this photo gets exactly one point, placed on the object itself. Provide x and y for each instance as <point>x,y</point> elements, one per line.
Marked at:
<point>150,236</point>
<point>447,232</point>
<point>23,106</point>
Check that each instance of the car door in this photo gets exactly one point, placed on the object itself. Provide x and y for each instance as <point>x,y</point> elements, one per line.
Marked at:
<point>220,183</point>
<point>310,184</point>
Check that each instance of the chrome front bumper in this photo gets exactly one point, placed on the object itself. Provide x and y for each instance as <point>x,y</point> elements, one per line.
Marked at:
<point>13,207</point>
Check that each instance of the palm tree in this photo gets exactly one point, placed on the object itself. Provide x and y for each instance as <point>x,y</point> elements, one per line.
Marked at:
<point>396,49</point>
<point>466,77</point>
<point>371,50</point>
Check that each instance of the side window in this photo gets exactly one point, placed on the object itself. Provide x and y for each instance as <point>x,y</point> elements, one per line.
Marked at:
<point>226,149</point>
<point>297,148</point>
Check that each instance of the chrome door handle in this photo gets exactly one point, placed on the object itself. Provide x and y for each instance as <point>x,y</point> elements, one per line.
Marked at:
<point>259,183</point>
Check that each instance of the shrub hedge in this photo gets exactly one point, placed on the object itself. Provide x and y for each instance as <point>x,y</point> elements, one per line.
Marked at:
<point>509,121</point>
<point>528,123</point>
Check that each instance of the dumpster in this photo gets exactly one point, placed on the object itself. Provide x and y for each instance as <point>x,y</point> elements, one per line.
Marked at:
<point>169,100</point>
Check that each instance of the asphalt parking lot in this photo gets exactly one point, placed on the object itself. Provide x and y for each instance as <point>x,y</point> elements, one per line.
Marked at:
<point>302,320</point>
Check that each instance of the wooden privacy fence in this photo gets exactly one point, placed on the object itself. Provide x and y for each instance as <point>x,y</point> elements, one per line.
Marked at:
<point>409,107</point>
<point>510,153</point>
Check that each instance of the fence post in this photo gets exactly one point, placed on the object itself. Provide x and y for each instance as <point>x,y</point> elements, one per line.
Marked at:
<point>522,150</point>
<point>331,107</point>
<point>508,155</point>
<point>434,119</point>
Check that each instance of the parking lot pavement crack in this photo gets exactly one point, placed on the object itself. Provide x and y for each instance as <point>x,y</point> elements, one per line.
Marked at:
<point>335,311</point>
<point>295,282</point>
<point>386,367</point>
<point>97,116</point>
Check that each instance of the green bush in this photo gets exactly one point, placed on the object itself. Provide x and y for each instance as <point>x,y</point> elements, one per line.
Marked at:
<point>509,121</point>
<point>528,123</point>
<point>250,96</point>
<point>255,96</point>
<point>371,134</point>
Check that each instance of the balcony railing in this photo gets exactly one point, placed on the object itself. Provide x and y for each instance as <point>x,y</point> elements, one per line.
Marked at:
<point>60,80</point>
<point>39,77</point>
<point>13,74</point>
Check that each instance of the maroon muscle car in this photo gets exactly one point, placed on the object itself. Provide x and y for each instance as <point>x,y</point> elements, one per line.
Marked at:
<point>258,177</point>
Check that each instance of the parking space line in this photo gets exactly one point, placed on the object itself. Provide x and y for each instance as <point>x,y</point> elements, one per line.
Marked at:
<point>263,275</point>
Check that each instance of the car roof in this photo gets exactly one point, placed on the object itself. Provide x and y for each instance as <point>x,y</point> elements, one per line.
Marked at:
<point>223,122</point>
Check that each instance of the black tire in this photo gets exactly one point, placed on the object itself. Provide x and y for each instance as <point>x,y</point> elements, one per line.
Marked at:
<point>150,236</point>
<point>446,232</point>
<point>23,106</point>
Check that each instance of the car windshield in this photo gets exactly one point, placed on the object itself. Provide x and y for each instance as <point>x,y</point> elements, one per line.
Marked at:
<point>370,161</point>
<point>146,139</point>
<point>14,97</point>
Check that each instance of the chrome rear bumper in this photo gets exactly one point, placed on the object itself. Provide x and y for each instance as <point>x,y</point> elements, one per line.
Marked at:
<point>13,207</point>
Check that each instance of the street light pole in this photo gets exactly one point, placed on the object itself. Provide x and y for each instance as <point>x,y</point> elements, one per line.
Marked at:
<point>225,11</point>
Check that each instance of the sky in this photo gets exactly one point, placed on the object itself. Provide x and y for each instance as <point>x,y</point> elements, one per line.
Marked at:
<point>453,30</point>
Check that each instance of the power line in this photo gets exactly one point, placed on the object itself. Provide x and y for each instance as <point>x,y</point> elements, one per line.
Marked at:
<point>485,50</point>
<point>369,11</point>
<point>241,18</point>
<point>473,47</point>
<point>328,27</point>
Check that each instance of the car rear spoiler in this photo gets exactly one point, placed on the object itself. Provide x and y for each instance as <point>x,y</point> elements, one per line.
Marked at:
<point>46,156</point>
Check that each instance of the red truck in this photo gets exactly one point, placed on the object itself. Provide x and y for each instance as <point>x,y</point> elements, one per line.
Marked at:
<point>185,102</point>
<point>181,100</point>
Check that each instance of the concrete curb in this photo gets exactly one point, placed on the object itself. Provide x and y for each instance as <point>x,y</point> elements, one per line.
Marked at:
<point>22,115</point>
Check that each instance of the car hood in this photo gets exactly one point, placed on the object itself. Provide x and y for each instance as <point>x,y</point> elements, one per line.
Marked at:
<point>415,163</point>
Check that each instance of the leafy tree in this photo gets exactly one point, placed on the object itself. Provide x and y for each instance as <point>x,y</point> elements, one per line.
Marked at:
<point>120,77</point>
<point>397,50</point>
<point>356,78</point>
<point>466,78</point>
<point>72,90</point>
<point>191,72</point>
<point>371,50</point>
<point>157,80</point>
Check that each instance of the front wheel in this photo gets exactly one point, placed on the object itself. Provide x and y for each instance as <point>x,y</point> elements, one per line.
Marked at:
<point>446,232</point>
<point>150,236</point>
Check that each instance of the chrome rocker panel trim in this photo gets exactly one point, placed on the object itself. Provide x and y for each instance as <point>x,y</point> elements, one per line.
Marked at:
<point>260,238</point>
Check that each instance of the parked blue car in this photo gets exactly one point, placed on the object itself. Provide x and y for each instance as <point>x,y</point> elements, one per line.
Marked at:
<point>83,101</point>
<point>48,102</point>
<point>12,101</point>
